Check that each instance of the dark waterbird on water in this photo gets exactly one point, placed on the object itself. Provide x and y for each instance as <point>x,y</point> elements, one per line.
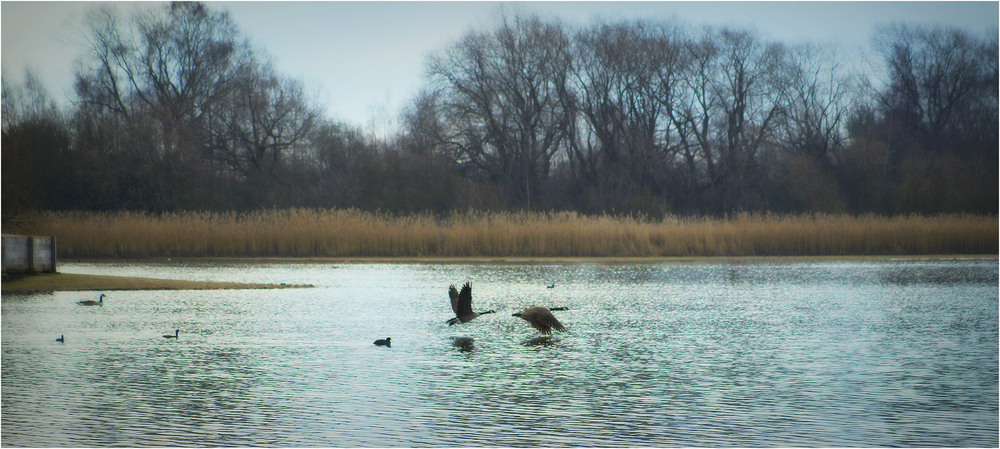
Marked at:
<point>61,339</point>
<point>177,334</point>
<point>88,302</point>
<point>541,318</point>
<point>387,342</point>
<point>461,303</point>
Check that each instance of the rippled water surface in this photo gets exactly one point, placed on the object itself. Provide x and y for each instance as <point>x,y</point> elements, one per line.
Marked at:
<point>873,353</point>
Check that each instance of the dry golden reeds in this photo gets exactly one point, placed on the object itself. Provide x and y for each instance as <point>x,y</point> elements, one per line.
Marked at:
<point>353,233</point>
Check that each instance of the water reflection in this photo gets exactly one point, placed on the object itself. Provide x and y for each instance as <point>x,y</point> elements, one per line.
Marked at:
<point>544,340</point>
<point>934,274</point>
<point>689,354</point>
<point>464,344</point>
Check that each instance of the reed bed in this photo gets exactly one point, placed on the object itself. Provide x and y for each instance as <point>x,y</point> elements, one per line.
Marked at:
<point>354,233</point>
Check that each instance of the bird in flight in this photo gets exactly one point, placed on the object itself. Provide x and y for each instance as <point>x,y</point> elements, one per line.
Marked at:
<point>461,304</point>
<point>541,318</point>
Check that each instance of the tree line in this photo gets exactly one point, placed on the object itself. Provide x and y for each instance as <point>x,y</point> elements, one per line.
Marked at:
<point>176,110</point>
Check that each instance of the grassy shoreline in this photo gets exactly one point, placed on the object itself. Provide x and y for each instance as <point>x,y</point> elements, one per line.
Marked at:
<point>307,233</point>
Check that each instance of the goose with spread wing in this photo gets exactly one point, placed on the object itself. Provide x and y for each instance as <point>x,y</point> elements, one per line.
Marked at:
<point>541,318</point>
<point>461,304</point>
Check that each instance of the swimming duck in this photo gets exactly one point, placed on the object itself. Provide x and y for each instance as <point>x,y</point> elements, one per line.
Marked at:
<point>61,339</point>
<point>177,334</point>
<point>387,342</point>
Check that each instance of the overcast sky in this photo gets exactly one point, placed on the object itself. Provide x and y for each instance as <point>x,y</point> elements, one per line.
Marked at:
<point>365,60</point>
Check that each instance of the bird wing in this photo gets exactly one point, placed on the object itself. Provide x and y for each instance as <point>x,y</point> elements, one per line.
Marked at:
<point>465,301</point>
<point>541,327</point>
<point>554,323</point>
<point>542,319</point>
<point>453,294</point>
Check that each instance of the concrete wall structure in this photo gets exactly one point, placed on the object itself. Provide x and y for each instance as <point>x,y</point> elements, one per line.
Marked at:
<point>29,254</point>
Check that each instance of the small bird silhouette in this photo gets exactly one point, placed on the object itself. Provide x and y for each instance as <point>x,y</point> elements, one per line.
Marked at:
<point>177,334</point>
<point>552,285</point>
<point>541,318</point>
<point>61,339</point>
<point>387,342</point>
<point>99,302</point>
<point>461,304</point>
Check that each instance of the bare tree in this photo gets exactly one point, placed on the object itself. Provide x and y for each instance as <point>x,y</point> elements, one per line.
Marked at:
<point>38,170</point>
<point>728,112</point>
<point>423,128</point>
<point>802,168</point>
<point>26,102</point>
<point>940,80</point>
<point>194,103</point>
<point>504,95</point>
<point>940,110</point>
<point>176,61</point>
<point>818,102</point>
<point>625,77</point>
<point>155,77</point>
<point>264,119</point>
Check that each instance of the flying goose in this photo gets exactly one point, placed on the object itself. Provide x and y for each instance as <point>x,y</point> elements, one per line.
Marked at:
<point>541,318</point>
<point>387,342</point>
<point>177,334</point>
<point>99,302</point>
<point>461,303</point>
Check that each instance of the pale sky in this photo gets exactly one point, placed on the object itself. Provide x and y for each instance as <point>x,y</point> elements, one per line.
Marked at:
<point>364,61</point>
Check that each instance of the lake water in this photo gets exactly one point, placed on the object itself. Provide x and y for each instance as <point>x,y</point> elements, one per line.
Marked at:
<point>709,353</point>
